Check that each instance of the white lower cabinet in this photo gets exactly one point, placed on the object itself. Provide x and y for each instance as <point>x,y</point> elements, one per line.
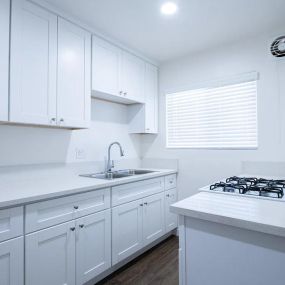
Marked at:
<point>50,256</point>
<point>75,252</point>
<point>93,246</point>
<point>126,230</point>
<point>12,262</point>
<point>136,224</point>
<point>170,218</point>
<point>153,218</point>
<point>70,253</point>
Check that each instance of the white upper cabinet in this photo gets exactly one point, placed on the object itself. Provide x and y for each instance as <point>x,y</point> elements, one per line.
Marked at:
<point>74,75</point>
<point>106,64</point>
<point>151,99</point>
<point>116,74</point>
<point>4,58</point>
<point>33,64</point>
<point>143,118</point>
<point>132,77</point>
<point>50,69</point>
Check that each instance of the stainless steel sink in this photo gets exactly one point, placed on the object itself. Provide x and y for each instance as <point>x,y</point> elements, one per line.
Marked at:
<point>117,174</point>
<point>136,171</point>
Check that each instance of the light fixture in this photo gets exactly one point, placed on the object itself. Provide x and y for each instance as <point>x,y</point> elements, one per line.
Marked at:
<point>168,8</point>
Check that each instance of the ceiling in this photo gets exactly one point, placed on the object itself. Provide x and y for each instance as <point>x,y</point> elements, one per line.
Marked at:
<point>198,24</point>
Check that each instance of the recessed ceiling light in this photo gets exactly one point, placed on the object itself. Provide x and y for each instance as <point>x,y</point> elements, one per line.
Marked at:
<point>168,8</point>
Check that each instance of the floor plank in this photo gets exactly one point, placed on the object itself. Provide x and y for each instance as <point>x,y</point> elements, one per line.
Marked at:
<point>158,266</point>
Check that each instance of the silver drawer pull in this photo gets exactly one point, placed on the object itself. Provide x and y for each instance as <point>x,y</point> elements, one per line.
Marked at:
<point>76,207</point>
<point>81,226</point>
<point>72,229</point>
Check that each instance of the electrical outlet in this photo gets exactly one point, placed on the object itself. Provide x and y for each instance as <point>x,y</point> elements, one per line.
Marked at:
<point>80,153</point>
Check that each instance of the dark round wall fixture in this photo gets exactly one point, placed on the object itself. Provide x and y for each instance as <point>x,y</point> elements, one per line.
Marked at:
<point>278,47</point>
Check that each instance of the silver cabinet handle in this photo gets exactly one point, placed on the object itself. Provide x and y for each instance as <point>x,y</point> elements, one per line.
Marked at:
<point>76,207</point>
<point>121,92</point>
<point>145,203</point>
<point>61,120</point>
<point>167,195</point>
<point>72,229</point>
<point>81,226</point>
<point>53,120</point>
<point>141,205</point>
<point>125,93</point>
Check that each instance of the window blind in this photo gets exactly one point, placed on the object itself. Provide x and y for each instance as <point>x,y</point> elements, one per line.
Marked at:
<point>214,117</point>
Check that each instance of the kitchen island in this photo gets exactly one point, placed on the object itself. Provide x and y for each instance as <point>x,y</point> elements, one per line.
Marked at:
<point>230,240</point>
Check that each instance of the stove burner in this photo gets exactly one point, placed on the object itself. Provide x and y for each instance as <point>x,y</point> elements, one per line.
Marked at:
<point>229,187</point>
<point>252,186</point>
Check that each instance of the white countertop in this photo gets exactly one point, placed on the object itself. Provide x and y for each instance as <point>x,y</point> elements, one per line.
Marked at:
<point>26,186</point>
<point>267,216</point>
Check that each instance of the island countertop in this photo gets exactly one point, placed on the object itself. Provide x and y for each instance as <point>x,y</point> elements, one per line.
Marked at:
<point>267,216</point>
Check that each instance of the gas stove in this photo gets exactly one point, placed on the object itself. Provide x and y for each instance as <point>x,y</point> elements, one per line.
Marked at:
<point>254,186</point>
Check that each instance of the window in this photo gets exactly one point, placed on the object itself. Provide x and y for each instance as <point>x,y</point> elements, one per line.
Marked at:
<point>223,115</point>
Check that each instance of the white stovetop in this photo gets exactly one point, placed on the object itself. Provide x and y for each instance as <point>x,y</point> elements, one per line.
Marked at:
<point>37,183</point>
<point>207,187</point>
<point>249,212</point>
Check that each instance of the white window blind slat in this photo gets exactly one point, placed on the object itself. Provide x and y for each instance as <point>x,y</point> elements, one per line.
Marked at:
<point>213,117</point>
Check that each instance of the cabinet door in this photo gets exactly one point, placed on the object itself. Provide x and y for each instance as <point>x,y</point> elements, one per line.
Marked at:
<point>33,64</point>
<point>50,256</point>
<point>126,230</point>
<point>170,218</point>
<point>106,60</point>
<point>12,262</point>
<point>151,99</point>
<point>132,77</point>
<point>93,246</point>
<point>74,75</point>
<point>4,58</point>
<point>153,218</point>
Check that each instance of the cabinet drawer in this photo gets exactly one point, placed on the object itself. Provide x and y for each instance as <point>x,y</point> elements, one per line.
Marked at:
<point>11,223</point>
<point>136,190</point>
<point>91,202</point>
<point>170,181</point>
<point>49,213</point>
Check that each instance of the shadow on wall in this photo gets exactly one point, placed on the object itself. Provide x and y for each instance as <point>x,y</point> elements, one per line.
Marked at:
<point>32,145</point>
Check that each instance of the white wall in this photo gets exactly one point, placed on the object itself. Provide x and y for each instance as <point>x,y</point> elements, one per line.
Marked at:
<point>30,145</point>
<point>201,167</point>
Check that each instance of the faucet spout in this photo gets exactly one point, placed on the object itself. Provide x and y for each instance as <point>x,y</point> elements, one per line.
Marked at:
<point>110,164</point>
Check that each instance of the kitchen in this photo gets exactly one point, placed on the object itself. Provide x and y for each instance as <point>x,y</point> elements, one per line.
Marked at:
<point>77,76</point>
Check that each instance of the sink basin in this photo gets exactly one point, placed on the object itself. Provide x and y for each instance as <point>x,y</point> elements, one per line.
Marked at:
<point>117,174</point>
<point>135,171</point>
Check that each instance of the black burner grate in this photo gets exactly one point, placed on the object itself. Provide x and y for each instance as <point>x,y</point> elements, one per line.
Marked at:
<point>253,186</point>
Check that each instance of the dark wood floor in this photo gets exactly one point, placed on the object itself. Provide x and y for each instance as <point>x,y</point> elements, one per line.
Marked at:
<point>158,266</point>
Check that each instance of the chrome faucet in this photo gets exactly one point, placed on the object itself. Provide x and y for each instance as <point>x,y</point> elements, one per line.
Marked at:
<point>110,163</point>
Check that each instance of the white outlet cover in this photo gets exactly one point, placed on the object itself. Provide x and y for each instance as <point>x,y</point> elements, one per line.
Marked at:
<point>80,153</point>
